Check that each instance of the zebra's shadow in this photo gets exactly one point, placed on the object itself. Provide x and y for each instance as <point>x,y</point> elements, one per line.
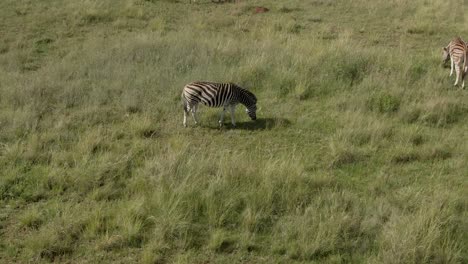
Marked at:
<point>263,124</point>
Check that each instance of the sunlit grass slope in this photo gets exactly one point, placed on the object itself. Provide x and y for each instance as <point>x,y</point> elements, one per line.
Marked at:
<point>359,154</point>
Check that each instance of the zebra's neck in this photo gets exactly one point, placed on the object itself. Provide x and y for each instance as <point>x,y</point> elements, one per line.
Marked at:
<point>245,98</point>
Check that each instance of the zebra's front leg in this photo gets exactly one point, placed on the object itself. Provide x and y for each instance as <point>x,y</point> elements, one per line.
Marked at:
<point>233,108</point>
<point>221,118</point>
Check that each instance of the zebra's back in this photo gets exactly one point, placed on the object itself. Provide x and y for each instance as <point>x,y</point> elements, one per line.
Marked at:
<point>457,49</point>
<point>208,93</point>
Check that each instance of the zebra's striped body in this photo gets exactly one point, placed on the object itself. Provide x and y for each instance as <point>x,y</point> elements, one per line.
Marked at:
<point>217,95</point>
<point>456,51</point>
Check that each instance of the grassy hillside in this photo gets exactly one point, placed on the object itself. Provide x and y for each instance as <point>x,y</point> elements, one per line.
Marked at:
<point>359,153</point>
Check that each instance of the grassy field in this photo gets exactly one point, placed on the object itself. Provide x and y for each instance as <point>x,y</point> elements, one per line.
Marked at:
<point>359,153</point>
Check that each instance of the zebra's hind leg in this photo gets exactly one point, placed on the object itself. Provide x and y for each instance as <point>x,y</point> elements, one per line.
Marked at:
<point>463,78</point>
<point>233,108</point>
<point>465,71</point>
<point>451,66</point>
<point>457,71</point>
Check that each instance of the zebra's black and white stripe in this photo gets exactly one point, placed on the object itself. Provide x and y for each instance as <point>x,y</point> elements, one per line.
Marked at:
<point>456,51</point>
<point>217,95</point>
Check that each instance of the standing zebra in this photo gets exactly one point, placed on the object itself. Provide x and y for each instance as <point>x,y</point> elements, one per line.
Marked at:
<point>456,51</point>
<point>217,95</point>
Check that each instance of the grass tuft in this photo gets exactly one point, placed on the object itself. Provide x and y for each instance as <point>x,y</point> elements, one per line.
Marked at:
<point>384,103</point>
<point>441,113</point>
<point>406,157</point>
<point>222,243</point>
<point>425,241</point>
<point>32,218</point>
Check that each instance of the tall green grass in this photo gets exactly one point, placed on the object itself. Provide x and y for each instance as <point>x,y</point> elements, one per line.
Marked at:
<point>358,154</point>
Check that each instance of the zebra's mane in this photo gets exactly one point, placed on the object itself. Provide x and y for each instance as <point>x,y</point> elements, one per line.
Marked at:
<point>248,94</point>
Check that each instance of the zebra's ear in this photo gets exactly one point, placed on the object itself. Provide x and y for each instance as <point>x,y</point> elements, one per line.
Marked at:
<point>444,48</point>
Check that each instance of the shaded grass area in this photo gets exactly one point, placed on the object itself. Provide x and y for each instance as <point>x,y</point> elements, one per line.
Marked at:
<point>358,154</point>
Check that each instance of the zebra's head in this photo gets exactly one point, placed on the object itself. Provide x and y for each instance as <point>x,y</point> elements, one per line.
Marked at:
<point>250,102</point>
<point>252,111</point>
<point>445,55</point>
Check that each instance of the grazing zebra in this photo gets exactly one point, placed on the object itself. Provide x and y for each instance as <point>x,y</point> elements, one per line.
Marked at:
<point>217,95</point>
<point>456,51</point>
